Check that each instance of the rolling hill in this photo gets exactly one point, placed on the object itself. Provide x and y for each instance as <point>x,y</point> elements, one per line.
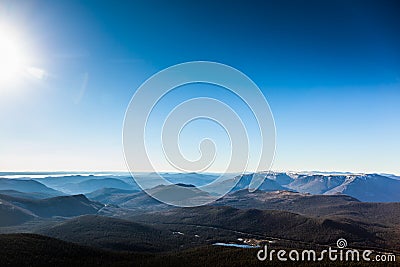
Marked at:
<point>315,205</point>
<point>34,195</point>
<point>110,195</point>
<point>13,215</point>
<point>141,201</point>
<point>66,206</point>
<point>266,223</point>
<point>91,185</point>
<point>35,250</point>
<point>27,186</point>
<point>115,234</point>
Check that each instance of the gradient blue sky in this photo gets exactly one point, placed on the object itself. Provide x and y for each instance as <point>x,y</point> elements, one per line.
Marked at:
<point>330,71</point>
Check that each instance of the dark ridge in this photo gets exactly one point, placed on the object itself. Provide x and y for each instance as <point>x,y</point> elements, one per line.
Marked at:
<point>185,185</point>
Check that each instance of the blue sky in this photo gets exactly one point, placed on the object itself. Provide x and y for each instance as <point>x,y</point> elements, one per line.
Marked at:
<point>330,71</point>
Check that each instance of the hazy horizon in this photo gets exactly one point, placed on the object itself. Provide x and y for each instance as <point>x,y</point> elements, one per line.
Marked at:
<point>88,172</point>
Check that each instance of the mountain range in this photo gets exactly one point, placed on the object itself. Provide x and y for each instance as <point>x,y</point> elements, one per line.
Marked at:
<point>364,187</point>
<point>109,216</point>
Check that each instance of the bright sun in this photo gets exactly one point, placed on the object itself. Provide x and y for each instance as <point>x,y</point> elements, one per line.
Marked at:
<point>13,60</point>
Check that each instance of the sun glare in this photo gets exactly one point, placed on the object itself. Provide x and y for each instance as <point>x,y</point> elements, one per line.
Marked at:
<point>14,63</point>
<point>12,58</point>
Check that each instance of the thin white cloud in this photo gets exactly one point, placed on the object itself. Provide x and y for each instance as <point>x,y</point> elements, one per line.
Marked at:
<point>83,88</point>
<point>37,73</point>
